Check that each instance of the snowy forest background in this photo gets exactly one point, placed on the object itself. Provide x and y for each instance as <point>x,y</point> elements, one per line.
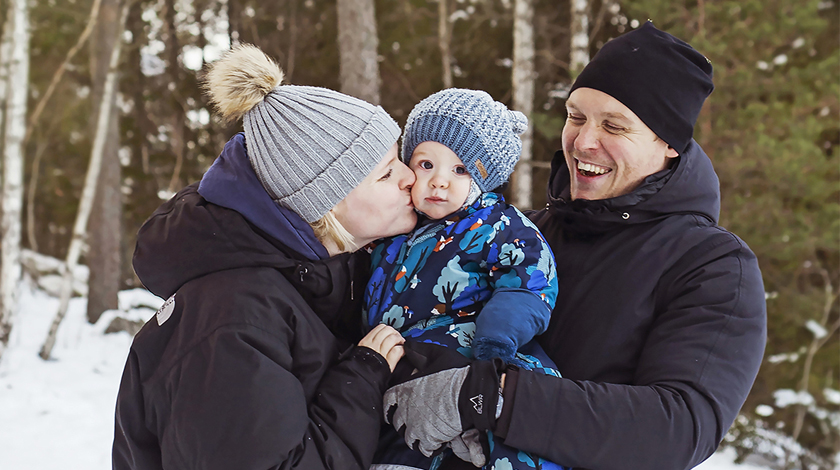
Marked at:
<point>103,119</point>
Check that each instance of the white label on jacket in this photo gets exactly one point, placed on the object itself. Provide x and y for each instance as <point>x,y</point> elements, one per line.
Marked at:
<point>165,310</point>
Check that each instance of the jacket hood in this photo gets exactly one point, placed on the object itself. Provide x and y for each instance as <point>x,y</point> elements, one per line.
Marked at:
<point>235,225</point>
<point>690,186</point>
<point>231,182</point>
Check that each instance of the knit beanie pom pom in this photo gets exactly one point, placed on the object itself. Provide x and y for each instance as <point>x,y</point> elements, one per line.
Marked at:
<point>240,80</point>
<point>519,122</point>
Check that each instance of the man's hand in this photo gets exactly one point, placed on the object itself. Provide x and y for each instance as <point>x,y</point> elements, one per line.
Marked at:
<point>471,447</point>
<point>446,396</point>
<point>425,410</point>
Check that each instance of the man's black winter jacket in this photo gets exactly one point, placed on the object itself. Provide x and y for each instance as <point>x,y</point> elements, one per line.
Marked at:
<point>659,328</point>
<point>241,371</point>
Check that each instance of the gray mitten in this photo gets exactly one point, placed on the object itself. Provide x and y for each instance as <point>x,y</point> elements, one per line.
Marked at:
<point>468,447</point>
<point>448,395</point>
<point>426,409</point>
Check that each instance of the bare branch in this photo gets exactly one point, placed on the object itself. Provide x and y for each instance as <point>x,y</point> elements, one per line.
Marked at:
<point>91,179</point>
<point>39,108</point>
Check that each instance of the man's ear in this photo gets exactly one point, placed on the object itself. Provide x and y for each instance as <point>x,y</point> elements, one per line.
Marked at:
<point>671,153</point>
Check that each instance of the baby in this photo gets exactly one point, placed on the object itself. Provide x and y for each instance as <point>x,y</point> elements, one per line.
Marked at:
<point>475,275</point>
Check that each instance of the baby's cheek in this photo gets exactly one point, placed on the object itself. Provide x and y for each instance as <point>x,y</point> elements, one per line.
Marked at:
<point>415,194</point>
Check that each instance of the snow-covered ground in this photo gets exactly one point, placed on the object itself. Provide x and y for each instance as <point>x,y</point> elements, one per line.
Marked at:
<point>59,413</point>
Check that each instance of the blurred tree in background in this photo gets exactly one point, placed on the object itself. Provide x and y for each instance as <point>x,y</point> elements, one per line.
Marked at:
<point>771,127</point>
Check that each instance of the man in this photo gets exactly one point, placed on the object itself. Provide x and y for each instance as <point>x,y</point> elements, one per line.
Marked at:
<point>660,323</point>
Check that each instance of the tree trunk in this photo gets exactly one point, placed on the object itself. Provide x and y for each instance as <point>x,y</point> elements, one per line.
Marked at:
<point>145,126</point>
<point>178,116</point>
<point>523,78</point>
<point>15,127</point>
<point>444,41</point>
<point>234,13</point>
<point>105,229</point>
<point>89,190</point>
<point>579,53</point>
<point>358,46</point>
<point>293,34</point>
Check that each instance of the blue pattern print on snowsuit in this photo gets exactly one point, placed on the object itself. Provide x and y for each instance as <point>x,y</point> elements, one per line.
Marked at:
<point>432,284</point>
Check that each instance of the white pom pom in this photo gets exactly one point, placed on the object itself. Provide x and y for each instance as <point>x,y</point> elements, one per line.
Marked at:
<point>241,79</point>
<point>519,122</point>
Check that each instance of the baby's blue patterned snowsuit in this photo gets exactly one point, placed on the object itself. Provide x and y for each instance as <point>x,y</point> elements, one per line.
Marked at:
<point>488,258</point>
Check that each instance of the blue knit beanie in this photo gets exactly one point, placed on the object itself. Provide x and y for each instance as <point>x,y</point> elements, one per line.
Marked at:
<point>482,132</point>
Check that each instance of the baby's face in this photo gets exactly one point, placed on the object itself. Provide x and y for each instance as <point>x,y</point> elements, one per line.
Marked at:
<point>443,182</point>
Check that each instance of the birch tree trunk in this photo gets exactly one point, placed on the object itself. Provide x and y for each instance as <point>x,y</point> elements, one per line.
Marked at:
<point>105,228</point>
<point>444,41</point>
<point>5,58</point>
<point>358,45</point>
<point>523,78</point>
<point>15,127</point>
<point>579,53</point>
<point>91,180</point>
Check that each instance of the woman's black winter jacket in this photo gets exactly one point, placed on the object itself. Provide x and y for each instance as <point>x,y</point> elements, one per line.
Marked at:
<point>659,327</point>
<point>240,369</point>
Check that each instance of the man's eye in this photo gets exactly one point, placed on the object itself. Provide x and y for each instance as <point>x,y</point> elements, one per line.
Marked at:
<point>612,128</point>
<point>575,119</point>
<point>460,170</point>
<point>426,165</point>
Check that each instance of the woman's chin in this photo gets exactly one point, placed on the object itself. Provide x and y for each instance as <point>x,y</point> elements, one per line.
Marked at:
<point>410,222</point>
<point>401,225</point>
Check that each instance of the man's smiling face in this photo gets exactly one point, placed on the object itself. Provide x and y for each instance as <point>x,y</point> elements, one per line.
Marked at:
<point>608,149</point>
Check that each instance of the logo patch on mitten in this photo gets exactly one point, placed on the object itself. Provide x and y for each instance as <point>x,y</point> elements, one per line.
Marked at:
<point>478,403</point>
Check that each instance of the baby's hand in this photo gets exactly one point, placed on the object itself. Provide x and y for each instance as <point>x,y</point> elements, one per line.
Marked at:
<point>386,341</point>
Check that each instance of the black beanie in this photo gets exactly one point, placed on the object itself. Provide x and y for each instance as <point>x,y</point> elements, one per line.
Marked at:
<point>659,77</point>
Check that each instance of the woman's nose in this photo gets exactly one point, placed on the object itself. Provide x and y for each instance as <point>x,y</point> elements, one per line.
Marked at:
<point>406,176</point>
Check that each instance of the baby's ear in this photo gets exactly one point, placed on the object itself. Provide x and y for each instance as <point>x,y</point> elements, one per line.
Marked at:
<point>671,152</point>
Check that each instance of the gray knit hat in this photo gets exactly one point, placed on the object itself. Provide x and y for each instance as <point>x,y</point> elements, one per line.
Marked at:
<point>309,146</point>
<point>483,132</point>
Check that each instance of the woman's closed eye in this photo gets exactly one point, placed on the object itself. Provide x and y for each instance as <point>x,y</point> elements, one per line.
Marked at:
<point>387,175</point>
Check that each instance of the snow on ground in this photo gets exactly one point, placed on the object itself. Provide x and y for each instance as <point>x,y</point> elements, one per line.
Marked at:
<point>59,413</point>
<point>723,460</point>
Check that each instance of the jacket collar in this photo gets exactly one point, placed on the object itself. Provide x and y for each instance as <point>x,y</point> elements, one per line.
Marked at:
<point>232,183</point>
<point>690,186</point>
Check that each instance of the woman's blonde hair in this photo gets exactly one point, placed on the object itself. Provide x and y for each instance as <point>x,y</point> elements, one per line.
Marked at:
<point>328,228</point>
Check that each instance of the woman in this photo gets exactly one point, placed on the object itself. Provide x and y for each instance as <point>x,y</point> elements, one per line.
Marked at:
<point>240,368</point>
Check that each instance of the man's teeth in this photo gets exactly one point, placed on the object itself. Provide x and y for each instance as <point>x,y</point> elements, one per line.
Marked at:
<point>591,168</point>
